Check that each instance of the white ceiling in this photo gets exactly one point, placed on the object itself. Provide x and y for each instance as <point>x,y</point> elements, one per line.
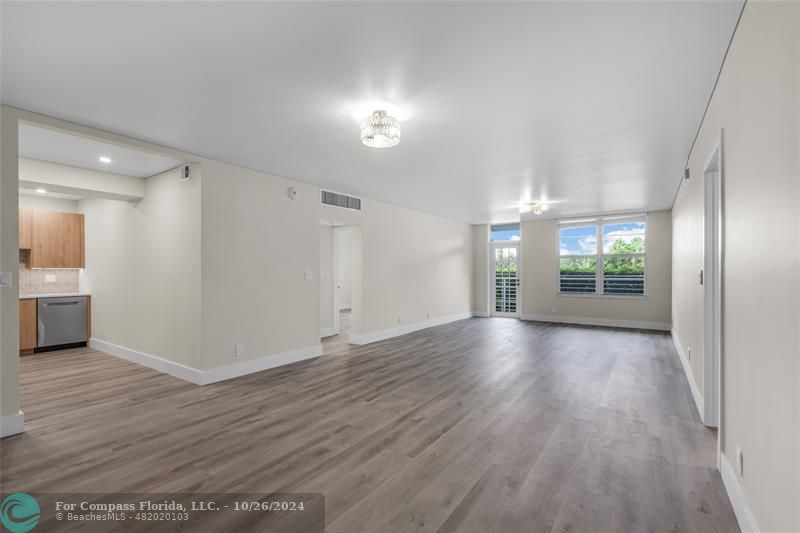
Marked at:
<point>60,147</point>
<point>590,105</point>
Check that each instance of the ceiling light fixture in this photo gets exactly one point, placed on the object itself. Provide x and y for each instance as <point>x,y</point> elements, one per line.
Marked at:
<point>105,159</point>
<point>536,208</point>
<point>379,130</point>
<point>41,191</point>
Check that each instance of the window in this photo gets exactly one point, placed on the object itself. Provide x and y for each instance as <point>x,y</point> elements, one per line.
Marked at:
<point>603,256</point>
<point>504,232</point>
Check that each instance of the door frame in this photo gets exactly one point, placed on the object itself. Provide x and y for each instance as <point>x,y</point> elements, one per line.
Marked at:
<point>713,289</point>
<point>493,245</point>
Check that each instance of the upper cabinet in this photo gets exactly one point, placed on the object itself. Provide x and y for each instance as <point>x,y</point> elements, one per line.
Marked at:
<point>56,239</point>
<point>25,228</point>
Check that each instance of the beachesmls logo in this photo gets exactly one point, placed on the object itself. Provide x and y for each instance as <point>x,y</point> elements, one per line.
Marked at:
<point>19,512</point>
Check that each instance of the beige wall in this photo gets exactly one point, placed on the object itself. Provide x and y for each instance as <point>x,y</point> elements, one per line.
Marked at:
<point>47,203</point>
<point>257,244</point>
<point>480,269</point>
<point>415,267</point>
<point>143,269</point>
<point>540,298</point>
<point>9,262</point>
<point>325,277</point>
<point>756,102</point>
<point>356,280</point>
<point>55,177</point>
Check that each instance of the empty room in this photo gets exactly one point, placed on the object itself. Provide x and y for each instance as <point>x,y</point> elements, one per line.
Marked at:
<point>383,267</point>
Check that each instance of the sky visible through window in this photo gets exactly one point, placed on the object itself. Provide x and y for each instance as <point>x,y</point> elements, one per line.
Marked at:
<point>583,240</point>
<point>506,233</point>
<point>579,241</point>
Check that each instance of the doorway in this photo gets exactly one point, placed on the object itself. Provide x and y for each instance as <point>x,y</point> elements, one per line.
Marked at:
<point>712,287</point>
<point>505,278</point>
<point>337,284</point>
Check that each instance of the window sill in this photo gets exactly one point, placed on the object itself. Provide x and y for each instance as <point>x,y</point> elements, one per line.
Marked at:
<point>603,296</point>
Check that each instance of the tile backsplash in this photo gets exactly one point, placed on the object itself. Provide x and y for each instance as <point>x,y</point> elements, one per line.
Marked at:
<point>35,281</point>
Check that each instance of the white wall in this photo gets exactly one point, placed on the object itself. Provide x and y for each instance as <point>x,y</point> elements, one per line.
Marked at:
<point>756,102</point>
<point>47,203</point>
<point>541,300</point>
<point>143,269</point>
<point>325,279</point>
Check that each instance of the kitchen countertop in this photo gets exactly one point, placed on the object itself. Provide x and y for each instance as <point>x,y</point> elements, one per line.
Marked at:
<point>53,295</point>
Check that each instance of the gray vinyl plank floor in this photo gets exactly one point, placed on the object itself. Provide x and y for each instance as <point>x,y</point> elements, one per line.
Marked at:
<point>481,425</point>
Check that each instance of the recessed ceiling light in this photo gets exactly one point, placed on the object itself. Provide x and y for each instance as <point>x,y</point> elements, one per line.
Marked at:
<point>379,130</point>
<point>41,191</point>
<point>105,159</point>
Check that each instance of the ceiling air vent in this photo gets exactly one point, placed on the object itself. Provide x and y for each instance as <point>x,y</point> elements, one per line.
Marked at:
<point>336,199</point>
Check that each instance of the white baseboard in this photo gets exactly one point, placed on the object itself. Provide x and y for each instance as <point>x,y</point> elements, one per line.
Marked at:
<point>608,322</point>
<point>405,329</point>
<point>257,365</point>
<point>150,361</point>
<point>481,314</point>
<point>326,332</point>
<point>687,369</point>
<point>744,515</point>
<point>205,377</point>
<point>12,424</point>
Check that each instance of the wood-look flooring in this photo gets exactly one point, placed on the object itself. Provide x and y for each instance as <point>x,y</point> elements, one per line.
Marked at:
<point>479,425</point>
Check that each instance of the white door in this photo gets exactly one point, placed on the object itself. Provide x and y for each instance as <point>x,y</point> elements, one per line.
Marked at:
<point>505,279</point>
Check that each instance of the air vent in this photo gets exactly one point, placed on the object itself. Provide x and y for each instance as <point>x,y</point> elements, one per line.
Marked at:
<point>336,199</point>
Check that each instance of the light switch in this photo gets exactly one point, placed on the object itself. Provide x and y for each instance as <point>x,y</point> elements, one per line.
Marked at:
<point>5,279</point>
<point>49,278</point>
<point>308,275</point>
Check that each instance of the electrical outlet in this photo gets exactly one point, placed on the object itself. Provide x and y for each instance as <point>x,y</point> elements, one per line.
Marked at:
<point>740,461</point>
<point>427,315</point>
<point>398,320</point>
<point>239,350</point>
<point>554,309</point>
<point>308,274</point>
<point>49,278</point>
<point>5,279</point>
<point>689,353</point>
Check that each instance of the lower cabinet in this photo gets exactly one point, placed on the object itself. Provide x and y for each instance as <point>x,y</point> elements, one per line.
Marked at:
<point>27,325</point>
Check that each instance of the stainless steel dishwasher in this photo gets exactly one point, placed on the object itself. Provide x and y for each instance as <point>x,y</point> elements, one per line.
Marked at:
<point>62,320</point>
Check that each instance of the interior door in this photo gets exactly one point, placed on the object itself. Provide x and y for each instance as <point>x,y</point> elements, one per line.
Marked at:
<point>505,279</point>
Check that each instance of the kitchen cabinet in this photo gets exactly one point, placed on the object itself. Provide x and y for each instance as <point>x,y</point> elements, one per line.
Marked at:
<point>57,240</point>
<point>27,325</point>
<point>70,240</point>
<point>25,228</point>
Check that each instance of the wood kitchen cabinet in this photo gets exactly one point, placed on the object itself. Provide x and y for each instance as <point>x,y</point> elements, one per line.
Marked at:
<point>27,325</point>
<point>56,240</point>
<point>25,228</point>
